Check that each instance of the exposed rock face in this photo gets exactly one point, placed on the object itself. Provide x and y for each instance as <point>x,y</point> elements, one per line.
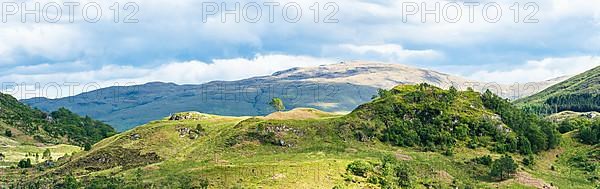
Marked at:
<point>112,157</point>
<point>188,116</point>
<point>190,133</point>
<point>135,136</point>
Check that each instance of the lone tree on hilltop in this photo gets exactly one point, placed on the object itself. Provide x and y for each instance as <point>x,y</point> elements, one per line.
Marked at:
<point>277,103</point>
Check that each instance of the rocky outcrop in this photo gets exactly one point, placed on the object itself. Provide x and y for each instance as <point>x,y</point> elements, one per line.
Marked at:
<point>111,157</point>
<point>188,116</point>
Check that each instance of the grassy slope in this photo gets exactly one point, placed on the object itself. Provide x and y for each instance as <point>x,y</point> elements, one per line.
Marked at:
<point>15,151</point>
<point>586,82</point>
<point>563,175</point>
<point>316,161</point>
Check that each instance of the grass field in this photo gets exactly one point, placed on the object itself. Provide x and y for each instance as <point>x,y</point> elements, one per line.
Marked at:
<point>15,151</point>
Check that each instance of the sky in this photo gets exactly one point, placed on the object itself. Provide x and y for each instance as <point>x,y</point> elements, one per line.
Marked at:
<point>192,42</point>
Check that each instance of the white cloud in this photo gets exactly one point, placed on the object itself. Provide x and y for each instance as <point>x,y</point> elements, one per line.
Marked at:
<point>52,41</point>
<point>188,72</point>
<point>392,52</point>
<point>539,70</point>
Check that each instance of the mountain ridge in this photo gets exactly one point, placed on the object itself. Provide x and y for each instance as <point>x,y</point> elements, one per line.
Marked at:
<point>334,88</point>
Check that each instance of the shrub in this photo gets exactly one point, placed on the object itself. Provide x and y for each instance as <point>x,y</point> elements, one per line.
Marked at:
<point>588,134</point>
<point>529,160</point>
<point>199,129</point>
<point>87,147</point>
<point>359,168</point>
<point>70,182</point>
<point>8,133</point>
<point>47,154</point>
<point>25,163</point>
<point>483,160</point>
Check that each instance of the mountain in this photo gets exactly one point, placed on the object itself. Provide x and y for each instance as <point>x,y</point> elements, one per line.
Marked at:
<point>21,123</point>
<point>579,93</point>
<point>334,88</point>
<point>412,136</point>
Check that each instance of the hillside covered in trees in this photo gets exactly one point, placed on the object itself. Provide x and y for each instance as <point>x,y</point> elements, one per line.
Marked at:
<point>580,93</point>
<point>19,121</point>
<point>432,118</point>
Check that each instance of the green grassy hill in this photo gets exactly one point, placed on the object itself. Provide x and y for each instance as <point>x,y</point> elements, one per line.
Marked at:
<point>413,136</point>
<point>579,93</point>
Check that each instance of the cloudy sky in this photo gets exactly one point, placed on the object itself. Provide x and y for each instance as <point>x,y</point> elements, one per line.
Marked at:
<point>187,41</point>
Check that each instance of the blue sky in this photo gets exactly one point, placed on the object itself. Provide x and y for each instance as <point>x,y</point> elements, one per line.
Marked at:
<point>171,43</point>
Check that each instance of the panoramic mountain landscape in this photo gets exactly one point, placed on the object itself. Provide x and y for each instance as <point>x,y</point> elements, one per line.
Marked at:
<point>358,94</point>
<point>334,88</point>
<point>411,136</point>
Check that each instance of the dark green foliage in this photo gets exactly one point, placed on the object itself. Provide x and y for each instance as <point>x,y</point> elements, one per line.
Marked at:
<point>388,173</point>
<point>87,147</point>
<point>503,168</point>
<point>203,183</point>
<point>382,93</point>
<point>590,134</point>
<point>69,182</point>
<point>435,119</point>
<point>80,129</point>
<point>586,161</point>
<point>359,168</point>
<point>529,160</point>
<point>574,102</point>
<point>47,154</point>
<point>578,93</point>
<point>571,124</point>
<point>51,128</point>
<point>8,133</point>
<point>535,134</point>
<point>483,160</point>
<point>199,129</point>
<point>421,115</point>
<point>25,163</point>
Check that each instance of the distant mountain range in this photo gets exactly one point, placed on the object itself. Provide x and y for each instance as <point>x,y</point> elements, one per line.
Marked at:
<point>334,88</point>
